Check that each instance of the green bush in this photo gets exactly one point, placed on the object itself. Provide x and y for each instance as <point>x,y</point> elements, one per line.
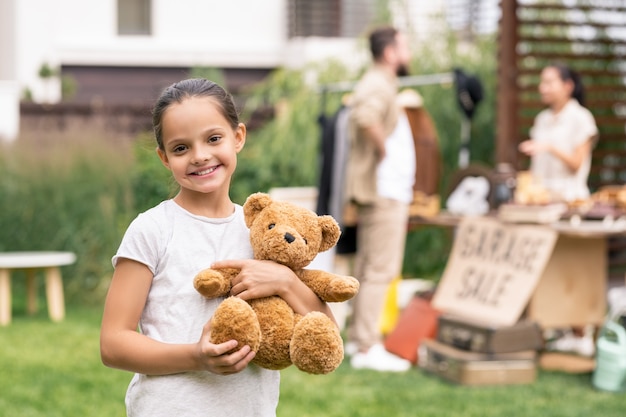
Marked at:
<point>151,182</point>
<point>66,193</point>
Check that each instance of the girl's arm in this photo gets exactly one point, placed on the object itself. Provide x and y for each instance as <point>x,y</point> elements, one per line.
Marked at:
<point>121,346</point>
<point>264,278</point>
<point>572,160</point>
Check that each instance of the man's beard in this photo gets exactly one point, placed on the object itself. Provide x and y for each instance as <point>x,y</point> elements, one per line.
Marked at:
<point>402,70</point>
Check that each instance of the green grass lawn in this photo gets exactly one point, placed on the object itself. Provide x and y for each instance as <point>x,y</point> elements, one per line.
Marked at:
<point>54,369</point>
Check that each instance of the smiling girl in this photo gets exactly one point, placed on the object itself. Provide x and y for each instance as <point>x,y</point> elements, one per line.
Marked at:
<point>177,370</point>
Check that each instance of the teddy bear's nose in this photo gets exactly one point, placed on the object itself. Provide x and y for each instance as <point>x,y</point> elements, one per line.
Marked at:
<point>289,237</point>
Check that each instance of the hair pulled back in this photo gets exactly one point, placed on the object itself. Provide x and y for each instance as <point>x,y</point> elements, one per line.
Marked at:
<point>568,74</point>
<point>192,87</point>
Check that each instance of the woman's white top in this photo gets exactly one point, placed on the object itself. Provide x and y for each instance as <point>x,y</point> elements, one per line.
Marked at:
<point>566,130</point>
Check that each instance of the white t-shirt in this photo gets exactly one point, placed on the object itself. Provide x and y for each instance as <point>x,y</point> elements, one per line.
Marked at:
<point>175,245</point>
<point>566,130</point>
<point>396,172</point>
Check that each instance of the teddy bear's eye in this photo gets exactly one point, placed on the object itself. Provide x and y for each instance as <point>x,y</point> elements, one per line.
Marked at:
<point>271,226</point>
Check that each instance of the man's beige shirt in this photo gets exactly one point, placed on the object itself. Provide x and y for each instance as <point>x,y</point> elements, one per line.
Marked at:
<point>373,103</point>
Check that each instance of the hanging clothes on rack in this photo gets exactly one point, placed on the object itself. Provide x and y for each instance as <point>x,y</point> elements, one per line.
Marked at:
<point>332,174</point>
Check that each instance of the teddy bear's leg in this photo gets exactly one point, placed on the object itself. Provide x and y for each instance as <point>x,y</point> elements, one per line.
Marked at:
<point>316,346</point>
<point>277,321</point>
<point>235,319</point>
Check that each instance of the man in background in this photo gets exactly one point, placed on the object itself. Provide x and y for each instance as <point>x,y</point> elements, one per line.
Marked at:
<point>380,174</point>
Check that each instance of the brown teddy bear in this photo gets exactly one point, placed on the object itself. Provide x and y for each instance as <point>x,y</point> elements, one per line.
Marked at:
<point>290,235</point>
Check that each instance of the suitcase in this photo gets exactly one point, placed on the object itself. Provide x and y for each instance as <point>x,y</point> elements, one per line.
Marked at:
<point>473,368</point>
<point>417,321</point>
<point>480,337</point>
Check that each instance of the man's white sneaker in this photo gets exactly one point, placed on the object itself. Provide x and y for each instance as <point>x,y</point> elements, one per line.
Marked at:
<point>379,359</point>
<point>350,348</point>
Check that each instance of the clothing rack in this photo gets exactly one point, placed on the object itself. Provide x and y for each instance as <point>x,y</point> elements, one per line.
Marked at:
<point>404,82</point>
<point>408,81</point>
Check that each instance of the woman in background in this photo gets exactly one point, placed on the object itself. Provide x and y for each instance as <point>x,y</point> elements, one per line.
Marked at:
<point>562,136</point>
<point>560,145</point>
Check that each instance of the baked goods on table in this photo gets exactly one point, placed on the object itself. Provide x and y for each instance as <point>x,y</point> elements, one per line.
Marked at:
<point>535,204</point>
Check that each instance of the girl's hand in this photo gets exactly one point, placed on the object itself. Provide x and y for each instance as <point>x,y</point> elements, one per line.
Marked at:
<point>258,279</point>
<point>532,147</point>
<point>214,358</point>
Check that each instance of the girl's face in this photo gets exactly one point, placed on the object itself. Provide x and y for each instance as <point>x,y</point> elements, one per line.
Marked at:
<point>554,91</point>
<point>200,146</point>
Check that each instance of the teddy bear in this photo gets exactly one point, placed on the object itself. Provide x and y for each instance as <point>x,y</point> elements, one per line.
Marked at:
<point>291,235</point>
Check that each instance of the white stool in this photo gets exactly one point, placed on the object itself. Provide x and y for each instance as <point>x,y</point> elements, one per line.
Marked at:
<point>30,262</point>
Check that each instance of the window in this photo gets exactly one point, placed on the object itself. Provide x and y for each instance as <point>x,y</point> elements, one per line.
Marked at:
<point>329,18</point>
<point>133,17</point>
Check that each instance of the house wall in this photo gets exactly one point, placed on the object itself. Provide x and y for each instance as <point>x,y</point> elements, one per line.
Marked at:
<point>7,43</point>
<point>185,34</point>
<point>9,88</point>
<point>141,85</point>
<point>245,38</point>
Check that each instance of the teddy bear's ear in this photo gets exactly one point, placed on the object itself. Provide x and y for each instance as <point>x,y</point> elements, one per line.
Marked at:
<point>255,203</point>
<point>330,232</point>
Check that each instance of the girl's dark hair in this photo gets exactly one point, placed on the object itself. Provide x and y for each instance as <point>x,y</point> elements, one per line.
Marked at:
<point>568,74</point>
<point>193,87</point>
<point>380,38</point>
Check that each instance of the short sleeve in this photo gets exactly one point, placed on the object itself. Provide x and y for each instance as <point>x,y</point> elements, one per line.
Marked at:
<point>141,242</point>
<point>586,127</point>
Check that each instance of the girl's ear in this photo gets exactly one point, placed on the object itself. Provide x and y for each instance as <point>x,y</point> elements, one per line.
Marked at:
<point>163,157</point>
<point>240,137</point>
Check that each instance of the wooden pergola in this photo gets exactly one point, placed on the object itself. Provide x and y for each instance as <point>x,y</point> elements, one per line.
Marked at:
<point>590,37</point>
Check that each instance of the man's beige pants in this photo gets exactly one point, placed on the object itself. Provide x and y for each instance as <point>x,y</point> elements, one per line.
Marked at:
<point>381,239</point>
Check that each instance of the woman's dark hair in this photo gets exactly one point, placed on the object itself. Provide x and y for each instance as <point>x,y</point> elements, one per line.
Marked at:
<point>568,74</point>
<point>380,38</point>
<point>193,87</point>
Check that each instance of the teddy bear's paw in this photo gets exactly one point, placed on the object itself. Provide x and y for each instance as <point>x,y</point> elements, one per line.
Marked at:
<point>211,283</point>
<point>235,319</point>
<point>342,289</point>
<point>316,346</point>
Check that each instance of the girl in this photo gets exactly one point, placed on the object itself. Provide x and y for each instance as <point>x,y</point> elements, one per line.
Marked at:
<point>177,370</point>
<point>562,136</point>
